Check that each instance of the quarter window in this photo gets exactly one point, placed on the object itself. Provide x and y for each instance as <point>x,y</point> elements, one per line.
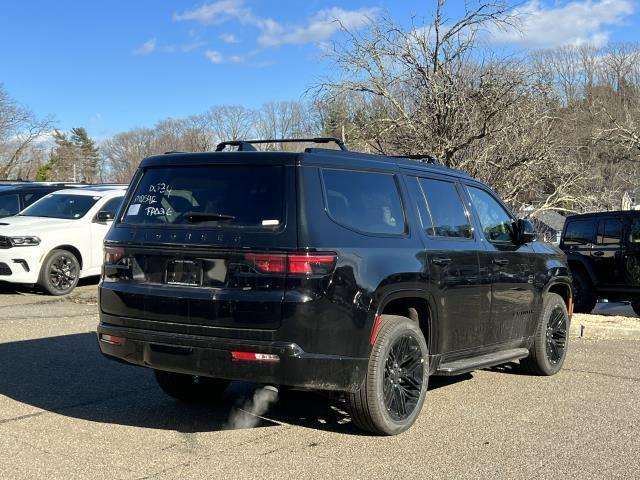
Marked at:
<point>447,215</point>
<point>365,201</point>
<point>495,220</point>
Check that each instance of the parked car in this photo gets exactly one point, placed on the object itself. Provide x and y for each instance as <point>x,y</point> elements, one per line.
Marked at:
<point>328,270</point>
<point>58,239</point>
<point>603,250</point>
<point>16,196</point>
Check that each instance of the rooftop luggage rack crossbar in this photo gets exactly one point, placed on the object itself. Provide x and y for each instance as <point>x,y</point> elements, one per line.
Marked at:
<point>247,145</point>
<point>426,157</point>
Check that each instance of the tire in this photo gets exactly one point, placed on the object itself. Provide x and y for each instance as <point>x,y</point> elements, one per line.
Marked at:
<point>584,296</point>
<point>551,339</point>
<point>635,304</point>
<point>370,408</point>
<point>60,273</point>
<point>190,388</point>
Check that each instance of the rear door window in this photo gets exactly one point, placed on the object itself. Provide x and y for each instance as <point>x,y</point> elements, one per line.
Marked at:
<point>218,195</point>
<point>579,232</point>
<point>365,201</point>
<point>447,217</point>
<point>609,232</point>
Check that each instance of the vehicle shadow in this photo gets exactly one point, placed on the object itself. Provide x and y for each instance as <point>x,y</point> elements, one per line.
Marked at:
<point>68,375</point>
<point>20,289</point>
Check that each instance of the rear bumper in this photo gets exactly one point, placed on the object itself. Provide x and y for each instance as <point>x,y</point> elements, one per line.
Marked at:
<point>211,356</point>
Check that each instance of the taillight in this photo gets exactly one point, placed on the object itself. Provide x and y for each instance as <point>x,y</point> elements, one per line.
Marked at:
<point>112,255</point>
<point>293,263</point>
<point>268,263</point>
<point>311,263</point>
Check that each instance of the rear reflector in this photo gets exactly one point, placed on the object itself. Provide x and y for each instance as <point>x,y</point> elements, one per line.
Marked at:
<point>111,339</point>
<point>570,306</point>
<point>255,357</point>
<point>376,326</point>
<point>293,263</point>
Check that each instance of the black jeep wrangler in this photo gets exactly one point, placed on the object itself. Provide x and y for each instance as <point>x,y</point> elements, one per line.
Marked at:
<point>603,251</point>
<point>328,270</point>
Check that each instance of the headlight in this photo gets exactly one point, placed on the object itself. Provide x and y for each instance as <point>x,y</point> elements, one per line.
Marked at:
<point>24,241</point>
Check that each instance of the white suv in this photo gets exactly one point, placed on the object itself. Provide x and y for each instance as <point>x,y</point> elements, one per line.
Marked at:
<point>58,240</point>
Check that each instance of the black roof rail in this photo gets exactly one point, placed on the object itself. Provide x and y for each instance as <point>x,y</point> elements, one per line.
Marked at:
<point>421,156</point>
<point>247,145</point>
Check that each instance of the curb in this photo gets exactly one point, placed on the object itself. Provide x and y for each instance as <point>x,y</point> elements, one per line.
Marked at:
<point>598,331</point>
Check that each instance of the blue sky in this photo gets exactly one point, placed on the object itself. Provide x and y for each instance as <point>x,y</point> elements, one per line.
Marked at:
<point>111,66</point>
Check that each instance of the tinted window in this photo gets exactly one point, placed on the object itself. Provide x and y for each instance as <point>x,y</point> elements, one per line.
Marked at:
<point>579,232</point>
<point>609,231</point>
<point>495,220</point>
<point>447,215</point>
<point>220,195</point>
<point>112,205</point>
<point>61,206</point>
<point>9,205</point>
<point>369,202</point>
<point>32,197</point>
<point>634,230</point>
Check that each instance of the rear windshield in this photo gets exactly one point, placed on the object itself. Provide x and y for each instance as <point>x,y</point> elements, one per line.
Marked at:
<point>224,195</point>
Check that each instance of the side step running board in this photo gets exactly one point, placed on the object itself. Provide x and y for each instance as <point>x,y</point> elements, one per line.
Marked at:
<point>456,367</point>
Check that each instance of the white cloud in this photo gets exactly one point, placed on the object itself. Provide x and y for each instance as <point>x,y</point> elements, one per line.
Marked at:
<point>214,56</point>
<point>185,47</point>
<point>228,38</point>
<point>146,48</point>
<point>322,26</point>
<point>572,23</point>
<point>216,12</point>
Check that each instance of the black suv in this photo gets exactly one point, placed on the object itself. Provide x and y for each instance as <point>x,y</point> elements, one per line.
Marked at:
<point>16,196</point>
<point>328,270</point>
<point>603,250</point>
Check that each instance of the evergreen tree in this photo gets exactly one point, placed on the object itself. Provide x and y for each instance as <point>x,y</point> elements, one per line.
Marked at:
<point>87,155</point>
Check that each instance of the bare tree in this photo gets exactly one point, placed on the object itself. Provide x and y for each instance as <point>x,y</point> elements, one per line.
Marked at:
<point>20,129</point>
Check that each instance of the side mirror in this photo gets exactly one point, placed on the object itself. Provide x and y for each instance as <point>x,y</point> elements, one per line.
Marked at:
<point>103,216</point>
<point>525,231</point>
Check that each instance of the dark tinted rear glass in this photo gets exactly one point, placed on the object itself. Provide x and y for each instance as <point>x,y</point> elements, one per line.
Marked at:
<point>579,232</point>
<point>366,201</point>
<point>220,195</point>
<point>448,218</point>
<point>9,204</point>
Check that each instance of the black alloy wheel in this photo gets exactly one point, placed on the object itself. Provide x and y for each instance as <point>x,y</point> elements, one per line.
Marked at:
<point>395,385</point>
<point>556,335</point>
<point>60,273</point>
<point>403,375</point>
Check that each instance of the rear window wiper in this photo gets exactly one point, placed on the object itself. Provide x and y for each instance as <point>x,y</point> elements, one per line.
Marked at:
<point>195,217</point>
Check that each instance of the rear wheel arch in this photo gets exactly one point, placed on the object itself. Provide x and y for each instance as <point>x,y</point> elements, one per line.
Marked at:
<point>417,306</point>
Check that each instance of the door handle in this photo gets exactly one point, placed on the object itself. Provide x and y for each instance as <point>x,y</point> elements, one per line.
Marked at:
<point>598,253</point>
<point>501,261</point>
<point>442,261</point>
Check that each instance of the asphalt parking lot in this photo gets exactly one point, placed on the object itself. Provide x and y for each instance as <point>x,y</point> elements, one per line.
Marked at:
<point>66,412</point>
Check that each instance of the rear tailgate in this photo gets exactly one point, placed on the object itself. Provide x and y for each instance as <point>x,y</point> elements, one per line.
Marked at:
<point>184,249</point>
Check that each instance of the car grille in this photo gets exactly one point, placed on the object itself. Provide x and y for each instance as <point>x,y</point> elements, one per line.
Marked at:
<point>5,242</point>
<point>4,269</point>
